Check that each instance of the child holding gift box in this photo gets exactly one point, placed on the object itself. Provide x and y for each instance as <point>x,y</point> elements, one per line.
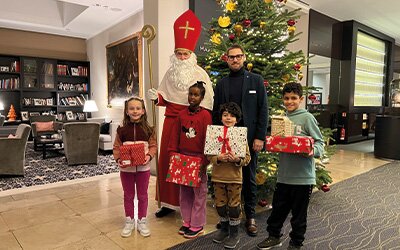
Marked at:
<point>188,138</point>
<point>296,175</point>
<point>136,129</point>
<point>227,178</point>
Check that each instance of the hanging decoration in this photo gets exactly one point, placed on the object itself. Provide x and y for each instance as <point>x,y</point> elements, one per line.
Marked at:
<point>262,24</point>
<point>216,38</point>
<point>238,29</point>
<point>249,66</point>
<point>300,76</point>
<point>224,22</point>
<point>230,6</point>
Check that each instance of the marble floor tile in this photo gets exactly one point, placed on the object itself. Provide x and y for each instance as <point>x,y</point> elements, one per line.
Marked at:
<point>29,216</point>
<point>8,241</point>
<point>8,205</point>
<point>3,226</point>
<point>56,233</point>
<point>108,219</point>
<point>96,243</point>
<point>93,202</point>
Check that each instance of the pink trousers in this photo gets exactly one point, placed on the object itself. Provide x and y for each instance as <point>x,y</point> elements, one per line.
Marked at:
<point>140,182</point>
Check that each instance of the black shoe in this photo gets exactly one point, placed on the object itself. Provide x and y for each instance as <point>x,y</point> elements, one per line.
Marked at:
<point>218,226</point>
<point>183,230</point>
<point>163,211</point>
<point>269,243</point>
<point>193,234</point>
<point>233,239</point>
<point>293,246</point>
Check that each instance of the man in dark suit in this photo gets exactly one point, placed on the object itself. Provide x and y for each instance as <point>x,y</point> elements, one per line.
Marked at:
<point>247,90</point>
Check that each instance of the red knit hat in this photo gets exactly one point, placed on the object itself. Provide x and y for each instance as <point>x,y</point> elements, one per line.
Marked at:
<point>187,29</point>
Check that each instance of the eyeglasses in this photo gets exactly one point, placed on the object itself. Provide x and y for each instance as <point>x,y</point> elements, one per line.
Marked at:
<point>238,57</point>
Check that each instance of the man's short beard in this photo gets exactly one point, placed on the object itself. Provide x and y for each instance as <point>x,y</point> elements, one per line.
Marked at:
<point>181,71</point>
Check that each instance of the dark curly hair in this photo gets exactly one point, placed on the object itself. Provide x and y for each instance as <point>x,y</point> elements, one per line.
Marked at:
<point>294,87</point>
<point>232,108</point>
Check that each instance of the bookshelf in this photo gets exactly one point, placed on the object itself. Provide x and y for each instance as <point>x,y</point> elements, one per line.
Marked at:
<point>41,86</point>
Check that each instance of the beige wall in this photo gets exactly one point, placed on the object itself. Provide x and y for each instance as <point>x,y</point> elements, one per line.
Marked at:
<point>25,43</point>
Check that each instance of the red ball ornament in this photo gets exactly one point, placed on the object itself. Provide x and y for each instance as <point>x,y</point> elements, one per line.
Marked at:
<point>246,22</point>
<point>297,66</point>
<point>291,22</point>
<point>266,83</point>
<point>325,188</point>
<point>232,37</point>
<point>224,58</point>
<point>263,203</point>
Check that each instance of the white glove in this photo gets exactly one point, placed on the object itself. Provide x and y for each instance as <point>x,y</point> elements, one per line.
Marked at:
<point>152,94</point>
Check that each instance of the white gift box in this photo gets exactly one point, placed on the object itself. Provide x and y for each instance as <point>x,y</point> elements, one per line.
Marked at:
<point>235,140</point>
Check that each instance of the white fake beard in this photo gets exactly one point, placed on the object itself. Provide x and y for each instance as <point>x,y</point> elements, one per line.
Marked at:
<point>181,71</point>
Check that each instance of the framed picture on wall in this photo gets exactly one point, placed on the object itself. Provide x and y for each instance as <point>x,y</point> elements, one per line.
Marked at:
<point>314,99</point>
<point>124,69</point>
<point>25,115</point>
<point>69,115</point>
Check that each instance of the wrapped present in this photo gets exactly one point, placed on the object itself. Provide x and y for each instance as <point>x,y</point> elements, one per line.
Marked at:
<point>281,126</point>
<point>184,170</point>
<point>125,156</point>
<point>290,144</point>
<point>221,139</point>
<point>132,155</point>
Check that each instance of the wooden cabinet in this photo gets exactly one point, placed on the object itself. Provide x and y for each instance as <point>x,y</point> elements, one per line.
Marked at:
<point>44,86</point>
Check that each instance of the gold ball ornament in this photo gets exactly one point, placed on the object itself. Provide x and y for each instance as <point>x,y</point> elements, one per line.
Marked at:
<point>238,29</point>
<point>268,1</point>
<point>249,66</point>
<point>286,77</point>
<point>262,24</point>
<point>208,67</point>
<point>300,76</point>
<point>260,178</point>
<point>291,29</point>
<point>224,22</point>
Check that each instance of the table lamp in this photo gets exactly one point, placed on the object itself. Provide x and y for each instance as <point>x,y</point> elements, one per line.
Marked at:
<point>90,106</point>
<point>1,107</point>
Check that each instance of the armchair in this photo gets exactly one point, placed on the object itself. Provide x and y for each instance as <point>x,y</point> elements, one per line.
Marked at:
<point>39,130</point>
<point>81,142</point>
<point>12,158</point>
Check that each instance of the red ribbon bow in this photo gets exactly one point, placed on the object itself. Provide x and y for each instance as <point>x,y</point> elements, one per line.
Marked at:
<point>225,142</point>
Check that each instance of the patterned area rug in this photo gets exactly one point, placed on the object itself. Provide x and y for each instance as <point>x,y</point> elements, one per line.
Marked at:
<point>39,171</point>
<point>362,212</point>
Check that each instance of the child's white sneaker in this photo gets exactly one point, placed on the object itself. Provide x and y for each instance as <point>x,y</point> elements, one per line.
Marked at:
<point>128,228</point>
<point>142,227</point>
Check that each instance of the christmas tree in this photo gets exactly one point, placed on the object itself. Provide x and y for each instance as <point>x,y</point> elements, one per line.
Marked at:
<point>263,28</point>
<point>11,113</point>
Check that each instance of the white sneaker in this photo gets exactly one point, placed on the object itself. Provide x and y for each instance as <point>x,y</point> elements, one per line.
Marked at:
<point>142,227</point>
<point>129,226</point>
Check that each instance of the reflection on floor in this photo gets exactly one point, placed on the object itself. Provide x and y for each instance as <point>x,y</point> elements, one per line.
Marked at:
<point>89,214</point>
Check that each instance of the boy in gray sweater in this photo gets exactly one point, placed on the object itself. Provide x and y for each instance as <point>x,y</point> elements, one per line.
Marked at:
<point>296,175</point>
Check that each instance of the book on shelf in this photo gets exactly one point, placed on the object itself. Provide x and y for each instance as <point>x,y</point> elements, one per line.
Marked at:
<point>9,83</point>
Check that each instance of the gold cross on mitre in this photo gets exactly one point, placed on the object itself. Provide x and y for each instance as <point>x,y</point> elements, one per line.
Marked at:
<point>186,28</point>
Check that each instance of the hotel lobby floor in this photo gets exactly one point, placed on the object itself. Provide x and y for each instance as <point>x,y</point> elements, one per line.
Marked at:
<point>88,214</point>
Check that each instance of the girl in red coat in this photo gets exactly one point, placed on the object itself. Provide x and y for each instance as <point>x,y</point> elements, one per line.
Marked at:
<point>188,138</point>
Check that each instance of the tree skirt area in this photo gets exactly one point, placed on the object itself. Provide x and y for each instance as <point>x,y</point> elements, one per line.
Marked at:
<point>54,168</point>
